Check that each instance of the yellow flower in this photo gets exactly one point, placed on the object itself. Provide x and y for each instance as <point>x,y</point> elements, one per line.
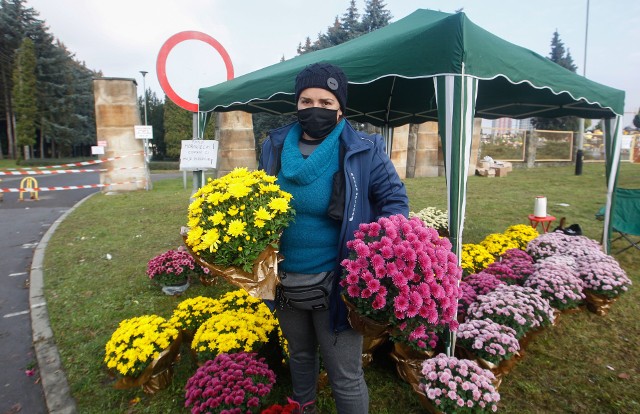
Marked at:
<point>259,223</point>
<point>236,228</point>
<point>233,210</point>
<point>211,238</point>
<point>279,204</point>
<point>238,190</point>
<point>262,214</point>
<point>217,218</point>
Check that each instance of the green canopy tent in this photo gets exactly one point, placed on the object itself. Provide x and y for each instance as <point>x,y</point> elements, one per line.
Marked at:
<point>434,66</point>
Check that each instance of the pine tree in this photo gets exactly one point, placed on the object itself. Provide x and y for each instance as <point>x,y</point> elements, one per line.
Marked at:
<point>375,15</point>
<point>350,22</point>
<point>562,57</point>
<point>636,120</point>
<point>24,96</point>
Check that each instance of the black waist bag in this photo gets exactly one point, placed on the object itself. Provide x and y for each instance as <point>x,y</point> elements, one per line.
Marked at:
<point>313,296</point>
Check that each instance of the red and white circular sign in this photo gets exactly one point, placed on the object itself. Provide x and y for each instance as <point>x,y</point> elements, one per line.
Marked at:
<point>161,64</point>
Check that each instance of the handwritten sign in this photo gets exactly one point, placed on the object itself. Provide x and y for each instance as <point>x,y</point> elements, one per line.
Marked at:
<point>143,131</point>
<point>97,150</point>
<point>198,154</point>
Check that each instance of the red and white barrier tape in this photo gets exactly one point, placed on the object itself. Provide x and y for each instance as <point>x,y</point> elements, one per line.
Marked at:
<point>33,172</point>
<point>75,164</point>
<point>64,187</point>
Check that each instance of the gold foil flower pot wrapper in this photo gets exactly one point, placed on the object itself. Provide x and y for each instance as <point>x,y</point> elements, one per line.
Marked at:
<point>427,404</point>
<point>598,304</point>
<point>261,283</point>
<point>409,363</point>
<point>364,325</point>
<point>157,376</point>
<point>499,370</point>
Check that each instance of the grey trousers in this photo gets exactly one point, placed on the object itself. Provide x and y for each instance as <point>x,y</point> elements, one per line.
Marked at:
<point>341,357</point>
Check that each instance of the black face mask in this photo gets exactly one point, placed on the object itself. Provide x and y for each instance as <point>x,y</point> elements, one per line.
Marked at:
<point>318,122</point>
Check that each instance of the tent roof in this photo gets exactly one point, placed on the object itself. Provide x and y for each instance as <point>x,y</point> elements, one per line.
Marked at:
<point>390,75</point>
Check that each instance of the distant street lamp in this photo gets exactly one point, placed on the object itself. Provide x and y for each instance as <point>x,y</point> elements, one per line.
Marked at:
<point>144,102</point>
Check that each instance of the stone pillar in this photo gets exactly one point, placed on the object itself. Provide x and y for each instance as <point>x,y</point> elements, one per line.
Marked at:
<point>399,150</point>
<point>116,114</point>
<point>426,152</point>
<point>475,145</point>
<point>236,146</point>
<point>411,150</point>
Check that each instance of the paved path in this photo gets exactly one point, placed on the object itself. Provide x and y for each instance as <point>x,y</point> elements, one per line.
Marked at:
<point>31,379</point>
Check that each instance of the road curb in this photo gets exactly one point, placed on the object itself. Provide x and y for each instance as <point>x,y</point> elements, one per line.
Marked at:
<point>56,389</point>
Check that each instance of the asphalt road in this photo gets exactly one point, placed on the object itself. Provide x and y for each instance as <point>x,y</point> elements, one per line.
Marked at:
<point>23,223</point>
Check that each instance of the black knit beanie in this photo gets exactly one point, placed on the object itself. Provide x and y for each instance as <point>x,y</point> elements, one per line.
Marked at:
<point>324,76</point>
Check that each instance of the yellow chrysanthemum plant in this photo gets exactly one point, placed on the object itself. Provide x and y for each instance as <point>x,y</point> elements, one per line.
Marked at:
<point>245,329</point>
<point>522,234</point>
<point>475,258</point>
<point>142,349</point>
<point>234,223</point>
<point>498,243</point>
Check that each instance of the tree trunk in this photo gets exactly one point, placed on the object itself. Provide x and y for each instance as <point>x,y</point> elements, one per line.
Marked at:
<point>41,139</point>
<point>8,116</point>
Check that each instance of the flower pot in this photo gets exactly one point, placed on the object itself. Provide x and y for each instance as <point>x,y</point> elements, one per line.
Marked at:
<point>598,304</point>
<point>374,333</point>
<point>175,289</point>
<point>499,370</point>
<point>158,375</point>
<point>409,362</point>
<point>260,283</point>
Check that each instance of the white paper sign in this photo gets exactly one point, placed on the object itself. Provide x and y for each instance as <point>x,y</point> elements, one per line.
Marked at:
<point>97,150</point>
<point>143,131</point>
<point>198,154</point>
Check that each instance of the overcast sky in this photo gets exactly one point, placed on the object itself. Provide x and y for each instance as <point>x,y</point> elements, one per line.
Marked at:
<point>123,37</point>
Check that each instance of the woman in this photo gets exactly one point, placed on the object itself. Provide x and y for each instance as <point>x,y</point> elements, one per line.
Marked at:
<point>339,178</point>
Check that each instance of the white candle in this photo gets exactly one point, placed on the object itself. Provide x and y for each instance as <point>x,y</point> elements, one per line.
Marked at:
<point>540,207</point>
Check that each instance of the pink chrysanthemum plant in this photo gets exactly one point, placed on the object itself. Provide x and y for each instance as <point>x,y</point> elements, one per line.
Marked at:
<point>174,267</point>
<point>487,339</point>
<point>514,267</point>
<point>558,283</point>
<point>400,269</point>
<point>231,383</point>
<point>518,307</point>
<point>521,234</point>
<point>558,243</point>
<point>458,385</point>
<point>602,275</point>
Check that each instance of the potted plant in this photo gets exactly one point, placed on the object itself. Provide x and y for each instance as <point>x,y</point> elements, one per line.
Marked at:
<point>230,383</point>
<point>241,330</point>
<point>432,217</point>
<point>475,258</point>
<point>452,385</point>
<point>498,243</point>
<point>522,234</point>
<point>490,344</point>
<point>399,269</point>
<point>604,281</point>
<point>483,282</point>
<point>234,224</point>
<point>558,283</point>
<point>141,352</point>
<point>191,313</point>
<point>520,308</point>
<point>173,270</point>
<point>558,243</point>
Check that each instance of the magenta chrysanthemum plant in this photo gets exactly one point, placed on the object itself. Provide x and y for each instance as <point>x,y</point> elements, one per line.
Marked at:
<point>558,243</point>
<point>458,385</point>
<point>231,383</point>
<point>483,282</point>
<point>518,307</point>
<point>558,283</point>
<point>174,266</point>
<point>602,275</point>
<point>516,254</point>
<point>504,272</point>
<point>398,268</point>
<point>487,339</point>
<point>415,334</point>
<point>468,297</point>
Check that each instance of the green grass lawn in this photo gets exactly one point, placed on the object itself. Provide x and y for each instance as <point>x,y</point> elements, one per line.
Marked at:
<point>586,364</point>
